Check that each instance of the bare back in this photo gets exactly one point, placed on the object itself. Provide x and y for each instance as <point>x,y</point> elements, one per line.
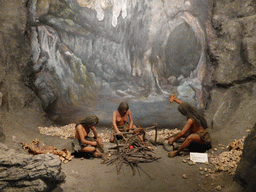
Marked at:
<point>81,131</point>
<point>194,127</point>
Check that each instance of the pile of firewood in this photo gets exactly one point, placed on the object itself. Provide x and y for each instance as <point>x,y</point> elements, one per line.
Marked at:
<point>34,149</point>
<point>131,152</point>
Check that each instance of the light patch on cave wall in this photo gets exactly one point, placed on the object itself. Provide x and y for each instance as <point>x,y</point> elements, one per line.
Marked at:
<point>100,5</point>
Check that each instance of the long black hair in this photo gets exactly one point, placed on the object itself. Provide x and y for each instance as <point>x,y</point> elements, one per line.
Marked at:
<point>187,110</point>
<point>122,106</point>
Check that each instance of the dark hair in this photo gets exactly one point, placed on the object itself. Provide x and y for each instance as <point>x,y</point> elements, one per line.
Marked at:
<point>187,110</point>
<point>89,120</point>
<point>122,106</point>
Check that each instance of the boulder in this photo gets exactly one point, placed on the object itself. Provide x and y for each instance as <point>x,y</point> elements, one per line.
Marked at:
<point>246,170</point>
<point>22,172</point>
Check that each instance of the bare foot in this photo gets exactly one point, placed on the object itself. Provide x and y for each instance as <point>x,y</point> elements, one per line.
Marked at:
<point>172,153</point>
<point>172,98</point>
<point>97,154</point>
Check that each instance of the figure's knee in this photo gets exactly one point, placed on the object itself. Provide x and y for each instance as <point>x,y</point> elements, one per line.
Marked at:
<point>189,139</point>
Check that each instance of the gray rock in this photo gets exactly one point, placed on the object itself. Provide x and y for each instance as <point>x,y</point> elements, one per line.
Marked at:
<point>246,171</point>
<point>21,172</point>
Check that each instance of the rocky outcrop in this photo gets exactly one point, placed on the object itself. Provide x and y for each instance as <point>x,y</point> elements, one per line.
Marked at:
<point>21,172</point>
<point>14,55</point>
<point>231,110</point>
<point>246,170</point>
<point>232,52</point>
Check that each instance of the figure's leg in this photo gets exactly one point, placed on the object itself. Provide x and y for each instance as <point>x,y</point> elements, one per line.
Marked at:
<point>88,149</point>
<point>190,138</point>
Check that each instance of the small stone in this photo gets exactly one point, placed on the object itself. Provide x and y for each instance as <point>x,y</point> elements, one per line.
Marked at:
<point>184,176</point>
<point>184,161</point>
<point>191,163</point>
<point>206,175</point>
<point>206,163</point>
<point>82,158</point>
<point>200,168</point>
<point>218,188</point>
<point>205,169</point>
<point>248,130</point>
<point>201,173</point>
<point>215,149</point>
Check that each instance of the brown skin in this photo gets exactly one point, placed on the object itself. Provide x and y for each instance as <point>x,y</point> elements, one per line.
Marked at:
<point>119,119</point>
<point>190,126</point>
<point>82,132</point>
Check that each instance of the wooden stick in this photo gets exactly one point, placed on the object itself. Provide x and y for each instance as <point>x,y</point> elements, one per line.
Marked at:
<point>155,135</point>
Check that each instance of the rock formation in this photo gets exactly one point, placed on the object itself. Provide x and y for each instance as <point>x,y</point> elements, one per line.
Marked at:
<point>232,52</point>
<point>20,172</point>
<point>245,172</point>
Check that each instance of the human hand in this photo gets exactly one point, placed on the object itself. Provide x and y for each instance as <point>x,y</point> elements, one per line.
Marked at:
<point>170,141</point>
<point>172,97</point>
<point>94,143</point>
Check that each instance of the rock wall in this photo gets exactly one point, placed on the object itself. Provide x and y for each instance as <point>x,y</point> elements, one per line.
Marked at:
<point>15,53</point>
<point>232,51</point>
<point>15,96</point>
<point>231,111</point>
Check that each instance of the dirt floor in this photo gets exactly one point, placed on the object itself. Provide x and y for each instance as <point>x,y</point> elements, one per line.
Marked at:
<point>91,175</point>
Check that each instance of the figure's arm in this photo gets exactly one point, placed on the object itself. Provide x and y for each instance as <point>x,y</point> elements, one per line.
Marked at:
<point>182,133</point>
<point>94,132</point>
<point>97,138</point>
<point>82,136</point>
<point>114,123</point>
<point>131,119</point>
<point>174,98</point>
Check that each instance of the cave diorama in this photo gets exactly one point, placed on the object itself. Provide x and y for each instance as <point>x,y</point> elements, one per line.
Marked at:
<point>128,95</point>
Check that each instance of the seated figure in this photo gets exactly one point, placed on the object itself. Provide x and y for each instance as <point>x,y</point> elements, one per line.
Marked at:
<point>196,126</point>
<point>120,124</point>
<point>82,142</point>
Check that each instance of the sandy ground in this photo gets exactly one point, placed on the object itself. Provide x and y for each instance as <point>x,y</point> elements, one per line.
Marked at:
<point>91,175</point>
